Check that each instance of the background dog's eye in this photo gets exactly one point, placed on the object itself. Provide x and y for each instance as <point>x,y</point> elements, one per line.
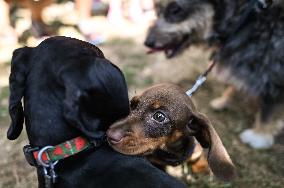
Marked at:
<point>174,9</point>
<point>160,117</point>
<point>175,13</point>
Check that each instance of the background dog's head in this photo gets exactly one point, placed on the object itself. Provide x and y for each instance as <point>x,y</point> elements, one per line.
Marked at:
<point>164,115</point>
<point>180,23</point>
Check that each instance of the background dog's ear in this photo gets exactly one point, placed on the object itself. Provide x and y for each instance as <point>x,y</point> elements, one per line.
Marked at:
<point>218,158</point>
<point>134,102</point>
<point>17,80</point>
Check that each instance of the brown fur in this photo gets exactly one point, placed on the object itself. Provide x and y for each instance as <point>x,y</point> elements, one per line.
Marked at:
<point>146,132</point>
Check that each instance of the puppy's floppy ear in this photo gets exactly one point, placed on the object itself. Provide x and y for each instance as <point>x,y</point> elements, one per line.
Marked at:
<point>218,158</point>
<point>19,68</point>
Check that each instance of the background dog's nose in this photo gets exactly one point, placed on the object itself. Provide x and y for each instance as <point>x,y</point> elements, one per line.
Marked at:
<point>115,135</point>
<point>149,42</point>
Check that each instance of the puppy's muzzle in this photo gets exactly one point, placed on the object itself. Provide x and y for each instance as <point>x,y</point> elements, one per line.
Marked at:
<point>115,136</point>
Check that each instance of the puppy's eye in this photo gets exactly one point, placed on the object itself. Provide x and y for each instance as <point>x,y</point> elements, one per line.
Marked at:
<point>160,117</point>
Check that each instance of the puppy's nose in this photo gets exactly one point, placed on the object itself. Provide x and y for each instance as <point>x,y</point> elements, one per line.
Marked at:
<point>150,42</point>
<point>115,135</point>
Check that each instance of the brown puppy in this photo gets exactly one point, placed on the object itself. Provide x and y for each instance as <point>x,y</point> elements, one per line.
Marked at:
<point>161,125</point>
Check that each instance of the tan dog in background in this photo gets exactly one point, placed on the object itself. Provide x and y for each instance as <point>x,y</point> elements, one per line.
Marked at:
<point>162,125</point>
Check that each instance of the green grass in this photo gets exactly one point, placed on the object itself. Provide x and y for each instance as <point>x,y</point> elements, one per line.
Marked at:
<point>3,101</point>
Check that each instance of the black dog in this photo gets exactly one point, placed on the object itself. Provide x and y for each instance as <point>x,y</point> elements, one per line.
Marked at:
<point>248,39</point>
<point>71,90</point>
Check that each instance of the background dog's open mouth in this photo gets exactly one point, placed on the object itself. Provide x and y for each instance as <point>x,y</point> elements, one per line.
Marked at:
<point>170,52</point>
<point>154,50</point>
<point>173,49</point>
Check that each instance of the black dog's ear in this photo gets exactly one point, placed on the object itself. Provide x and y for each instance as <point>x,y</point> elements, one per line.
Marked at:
<point>74,115</point>
<point>73,110</point>
<point>94,101</point>
<point>218,158</point>
<point>17,80</point>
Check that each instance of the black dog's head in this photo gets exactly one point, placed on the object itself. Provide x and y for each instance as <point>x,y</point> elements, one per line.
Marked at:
<point>180,23</point>
<point>69,89</point>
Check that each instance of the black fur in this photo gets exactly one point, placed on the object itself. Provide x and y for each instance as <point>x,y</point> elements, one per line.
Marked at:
<point>254,55</point>
<point>69,90</point>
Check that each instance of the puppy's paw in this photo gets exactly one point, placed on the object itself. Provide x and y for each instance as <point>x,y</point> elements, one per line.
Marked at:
<point>197,153</point>
<point>180,172</point>
<point>200,166</point>
<point>220,103</point>
<point>257,140</point>
<point>198,161</point>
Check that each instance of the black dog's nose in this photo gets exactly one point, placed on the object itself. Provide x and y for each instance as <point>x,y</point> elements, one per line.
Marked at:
<point>150,42</point>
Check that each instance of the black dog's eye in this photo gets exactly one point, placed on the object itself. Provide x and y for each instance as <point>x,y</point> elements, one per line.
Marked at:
<point>159,117</point>
<point>175,13</point>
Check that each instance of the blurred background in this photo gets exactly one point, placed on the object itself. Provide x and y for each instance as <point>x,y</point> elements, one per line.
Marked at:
<point>119,27</point>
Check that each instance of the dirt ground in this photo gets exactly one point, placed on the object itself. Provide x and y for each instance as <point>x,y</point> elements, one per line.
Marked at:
<point>256,168</point>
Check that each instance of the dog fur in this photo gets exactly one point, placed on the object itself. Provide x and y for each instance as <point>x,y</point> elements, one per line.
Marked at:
<point>70,89</point>
<point>161,125</point>
<point>250,58</point>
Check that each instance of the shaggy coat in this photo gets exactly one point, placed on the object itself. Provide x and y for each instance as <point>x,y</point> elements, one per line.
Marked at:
<point>254,56</point>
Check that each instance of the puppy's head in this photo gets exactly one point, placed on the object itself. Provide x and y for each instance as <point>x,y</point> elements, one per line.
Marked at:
<point>163,115</point>
<point>180,23</point>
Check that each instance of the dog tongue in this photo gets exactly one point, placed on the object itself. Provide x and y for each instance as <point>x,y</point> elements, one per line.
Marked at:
<point>154,50</point>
